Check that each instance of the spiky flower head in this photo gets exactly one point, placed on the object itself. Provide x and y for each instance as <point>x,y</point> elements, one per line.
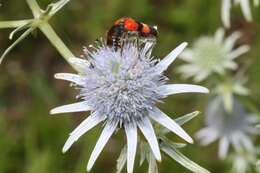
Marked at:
<point>231,128</point>
<point>245,7</point>
<point>210,55</point>
<point>121,89</point>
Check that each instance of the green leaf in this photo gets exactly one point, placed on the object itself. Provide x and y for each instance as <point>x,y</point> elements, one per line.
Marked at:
<point>186,118</point>
<point>168,142</point>
<point>23,36</point>
<point>183,160</point>
<point>142,153</point>
<point>181,120</point>
<point>121,161</point>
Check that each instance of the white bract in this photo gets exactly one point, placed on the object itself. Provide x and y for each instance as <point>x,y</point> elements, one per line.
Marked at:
<point>120,89</point>
<point>211,55</point>
<point>245,7</point>
<point>243,162</point>
<point>232,128</point>
<point>230,87</point>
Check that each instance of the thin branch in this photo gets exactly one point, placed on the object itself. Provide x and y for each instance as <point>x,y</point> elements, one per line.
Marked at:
<point>34,6</point>
<point>57,42</point>
<point>14,23</point>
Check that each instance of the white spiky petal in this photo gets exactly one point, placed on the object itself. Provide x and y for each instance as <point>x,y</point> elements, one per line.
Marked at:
<point>245,8</point>
<point>131,134</point>
<point>121,88</point>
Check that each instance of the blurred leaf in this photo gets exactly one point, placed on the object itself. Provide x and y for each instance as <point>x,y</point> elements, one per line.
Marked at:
<point>153,168</point>
<point>186,118</point>
<point>183,160</point>
<point>181,120</point>
<point>142,153</point>
<point>258,163</point>
<point>168,142</point>
<point>121,161</point>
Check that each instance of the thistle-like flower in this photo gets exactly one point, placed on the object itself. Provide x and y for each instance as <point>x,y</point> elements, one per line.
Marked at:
<point>211,55</point>
<point>245,7</point>
<point>121,88</point>
<point>232,128</point>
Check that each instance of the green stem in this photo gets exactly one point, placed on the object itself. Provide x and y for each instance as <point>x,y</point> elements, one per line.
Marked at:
<point>43,25</point>
<point>14,23</point>
<point>34,6</point>
<point>57,42</point>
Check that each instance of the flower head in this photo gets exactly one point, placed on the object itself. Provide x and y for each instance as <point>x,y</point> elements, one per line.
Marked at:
<point>245,7</point>
<point>232,128</point>
<point>211,55</point>
<point>121,89</point>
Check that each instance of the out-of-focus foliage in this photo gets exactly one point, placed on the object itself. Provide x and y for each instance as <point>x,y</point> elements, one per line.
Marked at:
<point>31,139</point>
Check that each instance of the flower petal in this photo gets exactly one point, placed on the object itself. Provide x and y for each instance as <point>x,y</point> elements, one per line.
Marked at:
<point>245,6</point>
<point>203,74</point>
<point>186,55</point>
<point>219,36</point>
<point>206,136</point>
<point>236,142</point>
<point>239,51</point>
<point>246,142</point>
<point>160,117</point>
<point>166,62</point>
<point>80,64</point>
<point>131,134</point>
<point>230,41</point>
<point>230,65</point>
<point>75,107</point>
<point>74,78</point>
<point>182,88</point>
<point>102,141</point>
<point>188,70</point>
<point>148,132</point>
<point>83,128</point>
<point>223,147</point>
<point>225,12</point>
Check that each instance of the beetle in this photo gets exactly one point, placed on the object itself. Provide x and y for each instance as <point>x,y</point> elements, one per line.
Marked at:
<point>126,28</point>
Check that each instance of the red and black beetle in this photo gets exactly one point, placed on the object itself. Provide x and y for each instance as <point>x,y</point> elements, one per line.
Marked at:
<point>126,26</point>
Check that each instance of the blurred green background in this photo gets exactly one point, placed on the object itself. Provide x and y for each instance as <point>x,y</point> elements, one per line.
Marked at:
<point>31,139</point>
